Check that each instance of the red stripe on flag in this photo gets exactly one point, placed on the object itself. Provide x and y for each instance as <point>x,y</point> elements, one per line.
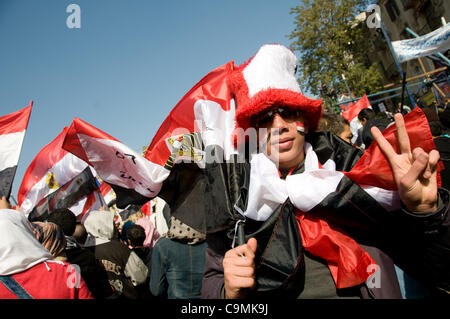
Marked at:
<point>15,122</point>
<point>72,142</point>
<point>353,110</point>
<point>51,154</point>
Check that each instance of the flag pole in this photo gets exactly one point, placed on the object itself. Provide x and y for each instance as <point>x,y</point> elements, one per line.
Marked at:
<point>403,92</point>
<point>394,55</point>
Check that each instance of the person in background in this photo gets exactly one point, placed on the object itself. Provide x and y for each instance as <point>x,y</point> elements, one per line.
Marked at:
<point>336,124</point>
<point>91,269</point>
<point>52,238</point>
<point>27,269</point>
<point>363,116</point>
<point>178,261</point>
<point>124,268</point>
<point>80,234</point>
<point>151,233</point>
<point>136,237</point>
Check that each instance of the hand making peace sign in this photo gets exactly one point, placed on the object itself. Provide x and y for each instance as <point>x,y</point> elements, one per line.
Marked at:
<point>414,172</point>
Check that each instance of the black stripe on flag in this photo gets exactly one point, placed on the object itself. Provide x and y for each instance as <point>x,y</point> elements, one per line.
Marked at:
<point>66,196</point>
<point>6,181</point>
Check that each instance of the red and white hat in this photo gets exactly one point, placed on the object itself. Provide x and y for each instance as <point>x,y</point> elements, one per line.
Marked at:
<point>268,80</point>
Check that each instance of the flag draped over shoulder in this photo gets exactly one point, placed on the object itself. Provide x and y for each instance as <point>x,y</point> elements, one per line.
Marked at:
<point>12,133</point>
<point>50,169</point>
<point>340,190</point>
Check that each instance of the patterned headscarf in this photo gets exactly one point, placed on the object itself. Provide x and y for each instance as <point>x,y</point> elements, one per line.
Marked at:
<point>184,233</point>
<point>51,237</point>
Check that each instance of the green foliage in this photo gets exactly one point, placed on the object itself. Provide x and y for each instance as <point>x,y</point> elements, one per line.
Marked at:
<point>331,42</point>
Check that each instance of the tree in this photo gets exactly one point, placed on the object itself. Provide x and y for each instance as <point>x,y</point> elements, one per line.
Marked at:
<point>331,42</point>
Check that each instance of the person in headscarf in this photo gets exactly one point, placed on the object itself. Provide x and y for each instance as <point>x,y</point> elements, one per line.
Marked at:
<point>52,238</point>
<point>27,269</point>
<point>151,233</point>
<point>124,268</point>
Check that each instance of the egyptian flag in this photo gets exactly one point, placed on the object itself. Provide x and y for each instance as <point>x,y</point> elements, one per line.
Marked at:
<point>353,110</point>
<point>80,195</point>
<point>50,169</point>
<point>108,194</point>
<point>134,179</point>
<point>177,157</point>
<point>12,134</point>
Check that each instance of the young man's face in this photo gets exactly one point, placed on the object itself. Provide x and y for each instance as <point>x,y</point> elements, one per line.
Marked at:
<point>346,134</point>
<point>284,142</point>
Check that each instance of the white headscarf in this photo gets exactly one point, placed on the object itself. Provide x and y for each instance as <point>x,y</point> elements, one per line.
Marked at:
<point>100,227</point>
<point>19,248</point>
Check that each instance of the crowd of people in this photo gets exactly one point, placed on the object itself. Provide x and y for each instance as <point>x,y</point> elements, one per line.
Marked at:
<point>302,237</point>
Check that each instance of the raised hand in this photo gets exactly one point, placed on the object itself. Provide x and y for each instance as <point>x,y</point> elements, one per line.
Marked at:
<point>239,270</point>
<point>4,204</point>
<point>414,172</point>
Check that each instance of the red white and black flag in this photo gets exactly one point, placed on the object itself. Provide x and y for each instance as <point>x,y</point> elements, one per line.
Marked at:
<point>12,133</point>
<point>133,178</point>
<point>50,169</point>
<point>80,195</point>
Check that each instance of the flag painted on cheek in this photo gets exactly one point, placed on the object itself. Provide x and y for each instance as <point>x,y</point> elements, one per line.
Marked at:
<point>300,127</point>
<point>12,133</point>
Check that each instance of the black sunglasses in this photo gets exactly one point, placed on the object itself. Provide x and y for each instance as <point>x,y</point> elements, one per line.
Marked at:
<point>265,118</point>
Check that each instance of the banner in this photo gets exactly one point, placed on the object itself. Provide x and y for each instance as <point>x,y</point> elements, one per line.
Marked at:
<point>433,42</point>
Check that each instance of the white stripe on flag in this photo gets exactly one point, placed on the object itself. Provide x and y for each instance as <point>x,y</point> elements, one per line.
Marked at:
<point>10,145</point>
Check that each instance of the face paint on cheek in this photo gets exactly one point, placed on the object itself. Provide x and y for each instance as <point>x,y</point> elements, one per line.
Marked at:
<point>300,128</point>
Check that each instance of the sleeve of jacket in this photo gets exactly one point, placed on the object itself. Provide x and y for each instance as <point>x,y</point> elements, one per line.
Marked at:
<point>213,278</point>
<point>158,282</point>
<point>425,250</point>
<point>135,269</point>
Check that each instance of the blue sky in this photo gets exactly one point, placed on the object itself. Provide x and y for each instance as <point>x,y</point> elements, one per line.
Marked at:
<point>128,64</point>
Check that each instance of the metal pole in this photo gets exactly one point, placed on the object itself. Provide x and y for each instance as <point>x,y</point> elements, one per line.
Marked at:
<point>346,85</point>
<point>394,55</point>
<point>403,92</point>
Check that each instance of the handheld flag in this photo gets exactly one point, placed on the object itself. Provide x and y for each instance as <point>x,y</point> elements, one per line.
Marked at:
<point>80,195</point>
<point>51,168</point>
<point>353,110</point>
<point>133,178</point>
<point>12,133</point>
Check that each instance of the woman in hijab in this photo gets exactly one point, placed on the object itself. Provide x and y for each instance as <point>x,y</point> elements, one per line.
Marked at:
<point>52,238</point>
<point>151,234</point>
<point>27,269</point>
